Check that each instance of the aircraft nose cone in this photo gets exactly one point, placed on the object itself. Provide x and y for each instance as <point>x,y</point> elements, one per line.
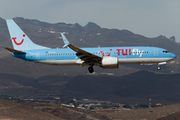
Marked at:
<point>173,55</point>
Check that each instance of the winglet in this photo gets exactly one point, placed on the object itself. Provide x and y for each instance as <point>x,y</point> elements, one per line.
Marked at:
<point>66,42</point>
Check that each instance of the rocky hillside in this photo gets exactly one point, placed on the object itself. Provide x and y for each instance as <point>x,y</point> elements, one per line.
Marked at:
<point>90,35</point>
<point>129,89</point>
<point>19,110</point>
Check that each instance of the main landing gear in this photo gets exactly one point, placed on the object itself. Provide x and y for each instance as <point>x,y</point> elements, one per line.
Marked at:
<point>91,69</point>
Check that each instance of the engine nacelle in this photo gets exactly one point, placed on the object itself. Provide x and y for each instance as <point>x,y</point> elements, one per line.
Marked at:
<point>109,63</point>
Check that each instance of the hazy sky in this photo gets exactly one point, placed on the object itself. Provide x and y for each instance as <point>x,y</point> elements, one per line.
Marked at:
<point>150,18</point>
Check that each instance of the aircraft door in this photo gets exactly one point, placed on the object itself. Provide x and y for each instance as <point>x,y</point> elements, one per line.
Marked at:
<point>37,55</point>
<point>155,52</point>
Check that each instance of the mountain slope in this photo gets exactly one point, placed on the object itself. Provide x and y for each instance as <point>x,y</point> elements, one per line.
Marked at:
<point>138,86</point>
<point>132,88</point>
<point>91,35</point>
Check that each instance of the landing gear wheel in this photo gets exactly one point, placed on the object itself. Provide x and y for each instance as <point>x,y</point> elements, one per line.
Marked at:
<point>158,67</point>
<point>91,70</point>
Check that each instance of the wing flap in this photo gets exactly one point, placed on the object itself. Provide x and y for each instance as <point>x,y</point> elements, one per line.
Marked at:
<point>80,51</point>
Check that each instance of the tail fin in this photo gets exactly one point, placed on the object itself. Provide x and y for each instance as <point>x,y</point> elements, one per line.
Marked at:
<point>66,42</point>
<point>19,39</point>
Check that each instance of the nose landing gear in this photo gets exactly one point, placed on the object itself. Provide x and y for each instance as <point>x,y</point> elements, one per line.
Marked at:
<point>158,68</point>
<point>161,63</point>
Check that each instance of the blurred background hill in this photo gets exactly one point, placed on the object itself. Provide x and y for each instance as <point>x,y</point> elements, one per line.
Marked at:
<point>127,82</point>
<point>133,88</point>
<point>130,84</point>
<point>90,35</point>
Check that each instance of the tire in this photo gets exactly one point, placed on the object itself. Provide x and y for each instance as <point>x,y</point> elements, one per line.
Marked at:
<point>91,70</point>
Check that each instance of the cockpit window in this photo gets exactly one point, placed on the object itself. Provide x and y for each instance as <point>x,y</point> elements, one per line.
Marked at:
<point>165,51</point>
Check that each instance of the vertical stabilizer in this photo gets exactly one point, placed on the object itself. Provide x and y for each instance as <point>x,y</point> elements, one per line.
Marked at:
<point>19,39</point>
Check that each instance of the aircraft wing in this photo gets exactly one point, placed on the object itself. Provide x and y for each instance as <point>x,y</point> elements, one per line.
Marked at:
<point>84,55</point>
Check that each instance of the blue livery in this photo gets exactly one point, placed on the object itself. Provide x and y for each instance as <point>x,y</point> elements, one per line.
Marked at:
<point>105,57</point>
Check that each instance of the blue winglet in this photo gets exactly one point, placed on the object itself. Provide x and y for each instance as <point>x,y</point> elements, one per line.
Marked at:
<point>66,42</point>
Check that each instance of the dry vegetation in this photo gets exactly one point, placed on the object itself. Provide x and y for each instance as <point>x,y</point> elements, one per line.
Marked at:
<point>43,111</point>
<point>145,114</point>
<point>15,111</point>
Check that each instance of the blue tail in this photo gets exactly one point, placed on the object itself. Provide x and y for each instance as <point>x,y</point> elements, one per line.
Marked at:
<point>19,39</point>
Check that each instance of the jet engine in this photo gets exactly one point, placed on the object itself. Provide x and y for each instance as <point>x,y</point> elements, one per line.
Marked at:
<point>109,63</point>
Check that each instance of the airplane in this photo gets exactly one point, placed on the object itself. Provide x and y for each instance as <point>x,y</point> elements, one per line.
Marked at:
<point>105,57</point>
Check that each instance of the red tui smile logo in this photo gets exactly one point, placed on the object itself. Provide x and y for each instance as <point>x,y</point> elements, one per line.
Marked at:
<point>14,39</point>
<point>102,52</point>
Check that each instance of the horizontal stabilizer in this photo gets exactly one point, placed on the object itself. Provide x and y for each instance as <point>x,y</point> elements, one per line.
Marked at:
<point>14,51</point>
